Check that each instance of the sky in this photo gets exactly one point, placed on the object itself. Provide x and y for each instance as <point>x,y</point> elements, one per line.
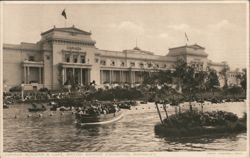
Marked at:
<point>219,27</point>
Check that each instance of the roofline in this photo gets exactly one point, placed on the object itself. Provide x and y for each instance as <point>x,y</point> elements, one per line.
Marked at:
<point>19,47</point>
<point>188,46</point>
<point>143,51</point>
<point>115,51</point>
<point>60,29</point>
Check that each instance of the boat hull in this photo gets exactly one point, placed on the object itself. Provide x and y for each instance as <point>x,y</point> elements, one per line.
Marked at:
<point>100,119</point>
<point>36,110</point>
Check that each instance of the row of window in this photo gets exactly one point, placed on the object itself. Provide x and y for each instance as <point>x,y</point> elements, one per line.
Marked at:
<point>232,75</point>
<point>32,58</point>
<point>197,66</point>
<point>75,58</point>
<point>132,64</point>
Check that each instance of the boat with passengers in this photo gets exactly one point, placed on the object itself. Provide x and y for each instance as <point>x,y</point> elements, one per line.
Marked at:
<point>37,108</point>
<point>98,114</point>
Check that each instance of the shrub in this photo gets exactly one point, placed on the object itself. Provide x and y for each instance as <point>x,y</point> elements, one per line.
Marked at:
<point>193,123</point>
<point>116,93</point>
<point>193,118</point>
<point>43,90</point>
<point>16,89</point>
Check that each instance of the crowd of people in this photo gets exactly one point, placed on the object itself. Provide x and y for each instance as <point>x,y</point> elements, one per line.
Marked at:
<point>97,108</point>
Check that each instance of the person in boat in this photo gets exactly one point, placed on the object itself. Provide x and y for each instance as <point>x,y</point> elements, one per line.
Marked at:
<point>34,106</point>
<point>104,112</point>
<point>43,107</point>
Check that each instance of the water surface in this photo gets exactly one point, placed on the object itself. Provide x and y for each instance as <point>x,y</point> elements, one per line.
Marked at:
<point>133,133</point>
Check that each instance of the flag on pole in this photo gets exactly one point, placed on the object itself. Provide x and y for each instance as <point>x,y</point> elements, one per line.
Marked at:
<point>64,14</point>
<point>186,36</point>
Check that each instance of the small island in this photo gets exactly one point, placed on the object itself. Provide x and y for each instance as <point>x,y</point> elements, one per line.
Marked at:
<point>193,123</point>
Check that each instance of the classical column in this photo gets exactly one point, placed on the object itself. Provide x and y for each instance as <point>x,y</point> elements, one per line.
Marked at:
<point>113,76</point>
<point>109,76</point>
<point>88,75</point>
<point>28,77</point>
<point>120,78</point>
<point>131,77</point>
<point>136,78</point>
<point>39,71</point>
<point>24,74</point>
<point>123,76</point>
<point>63,81</point>
<point>42,76</point>
<point>101,76</point>
<point>81,75</point>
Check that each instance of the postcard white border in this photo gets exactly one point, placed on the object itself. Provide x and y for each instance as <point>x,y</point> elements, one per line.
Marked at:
<point>227,154</point>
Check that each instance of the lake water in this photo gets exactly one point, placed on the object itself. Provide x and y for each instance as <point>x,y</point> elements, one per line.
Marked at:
<point>133,133</point>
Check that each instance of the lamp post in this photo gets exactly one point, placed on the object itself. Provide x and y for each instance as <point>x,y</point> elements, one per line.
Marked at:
<point>22,87</point>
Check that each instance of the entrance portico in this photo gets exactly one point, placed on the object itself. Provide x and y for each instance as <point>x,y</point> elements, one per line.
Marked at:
<point>32,72</point>
<point>80,73</point>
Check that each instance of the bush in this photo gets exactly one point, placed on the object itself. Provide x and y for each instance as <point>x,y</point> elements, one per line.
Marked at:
<point>116,93</point>
<point>193,118</point>
<point>43,90</point>
<point>193,123</point>
<point>16,89</point>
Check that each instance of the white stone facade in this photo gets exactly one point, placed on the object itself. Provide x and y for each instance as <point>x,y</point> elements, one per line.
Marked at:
<point>63,53</point>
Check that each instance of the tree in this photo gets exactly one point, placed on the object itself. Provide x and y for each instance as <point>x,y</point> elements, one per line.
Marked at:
<point>200,81</point>
<point>181,74</point>
<point>223,73</point>
<point>234,91</point>
<point>60,68</point>
<point>243,81</point>
<point>212,80</point>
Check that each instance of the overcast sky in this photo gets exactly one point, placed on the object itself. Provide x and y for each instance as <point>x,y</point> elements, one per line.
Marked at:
<point>220,28</point>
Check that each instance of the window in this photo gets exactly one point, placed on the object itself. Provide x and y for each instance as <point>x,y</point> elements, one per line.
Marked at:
<point>149,65</point>
<point>112,63</point>
<point>75,58</point>
<point>164,65</point>
<point>82,59</point>
<point>122,64</point>
<point>103,62</point>
<point>96,60</point>
<point>132,64</point>
<point>67,58</point>
<point>157,65</point>
<point>48,57</point>
<point>141,65</point>
<point>31,58</point>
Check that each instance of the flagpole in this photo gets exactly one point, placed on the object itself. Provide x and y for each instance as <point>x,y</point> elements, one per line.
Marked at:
<point>186,38</point>
<point>65,17</point>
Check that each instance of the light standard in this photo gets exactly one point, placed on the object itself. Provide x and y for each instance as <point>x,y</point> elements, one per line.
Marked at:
<point>22,87</point>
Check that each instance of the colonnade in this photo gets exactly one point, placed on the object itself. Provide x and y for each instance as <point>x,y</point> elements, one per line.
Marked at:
<point>27,74</point>
<point>83,75</point>
<point>120,76</point>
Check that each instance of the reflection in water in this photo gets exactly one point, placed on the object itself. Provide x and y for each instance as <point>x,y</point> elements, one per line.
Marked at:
<point>135,132</point>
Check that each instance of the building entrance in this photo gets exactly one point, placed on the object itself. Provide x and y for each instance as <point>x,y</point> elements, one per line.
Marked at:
<point>77,76</point>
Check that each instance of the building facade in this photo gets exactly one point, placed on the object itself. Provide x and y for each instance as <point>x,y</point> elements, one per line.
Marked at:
<point>66,54</point>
